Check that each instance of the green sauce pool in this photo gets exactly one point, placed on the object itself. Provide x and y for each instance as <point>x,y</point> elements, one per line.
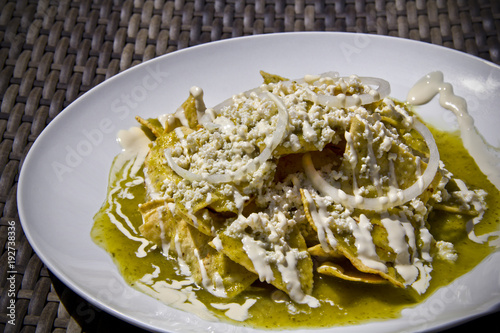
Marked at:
<point>343,302</point>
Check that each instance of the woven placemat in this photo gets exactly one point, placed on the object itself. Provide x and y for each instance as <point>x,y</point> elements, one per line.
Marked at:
<point>51,52</point>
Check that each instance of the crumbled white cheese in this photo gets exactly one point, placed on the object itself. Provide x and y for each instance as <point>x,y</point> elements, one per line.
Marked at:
<point>446,251</point>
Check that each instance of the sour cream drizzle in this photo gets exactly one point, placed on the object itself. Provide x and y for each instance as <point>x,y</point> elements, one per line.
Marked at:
<point>119,223</point>
<point>257,255</point>
<point>485,155</point>
<point>397,232</point>
<point>134,150</point>
<point>165,241</point>
<point>235,311</point>
<point>364,243</point>
<point>424,279</point>
<point>321,219</point>
<point>217,288</point>
<point>179,294</point>
<point>135,146</point>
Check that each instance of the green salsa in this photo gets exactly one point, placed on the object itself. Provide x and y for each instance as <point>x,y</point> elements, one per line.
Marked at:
<point>343,302</point>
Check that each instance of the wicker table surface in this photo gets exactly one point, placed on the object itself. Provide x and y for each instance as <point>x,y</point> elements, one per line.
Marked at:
<point>52,51</point>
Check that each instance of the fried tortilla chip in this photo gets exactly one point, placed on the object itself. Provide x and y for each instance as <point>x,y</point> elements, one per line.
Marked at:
<point>277,265</point>
<point>159,173</point>
<point>187,112</point>
<point>271,78</point>
<point>215,271</point>
<point>152,127</point>
<point>363,238</point>
<point>346,271</point>
<point>319,252</point>
<point>381,161</point>
<point>157,169</point>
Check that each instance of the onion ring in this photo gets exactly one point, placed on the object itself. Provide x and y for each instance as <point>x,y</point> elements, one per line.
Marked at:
<point>252,166</point>
<point>395,197</point>
<point>344,101</point>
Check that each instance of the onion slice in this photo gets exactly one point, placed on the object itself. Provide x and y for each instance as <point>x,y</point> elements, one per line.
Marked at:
<point>382,90</point>
<point>343,101</point>
<point>230,101</point>
<point>251,166</point>
<point>395,197</point>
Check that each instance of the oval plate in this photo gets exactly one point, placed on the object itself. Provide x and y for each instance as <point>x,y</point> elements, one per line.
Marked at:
<point>64,177</point>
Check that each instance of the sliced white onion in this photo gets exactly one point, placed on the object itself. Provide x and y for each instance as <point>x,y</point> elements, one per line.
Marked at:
<point>395,197</point>
<point>250,167</point>
<point>343,101</point>
<point>382,90</point>
<point>186,174</point>
<point>230,101</point>
<point>313,79</point>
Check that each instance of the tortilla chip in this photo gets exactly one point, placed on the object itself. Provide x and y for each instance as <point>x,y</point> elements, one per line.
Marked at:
<point>234,248</point>
<point>159,172</point>
<point>404,161</point>
<point>344,244</point>
<point>208,267</point>
<point>272,78</point>
<point>291,163</point>
<point>317,251</point>
<point>390,275</point>
<point>156,167</point>
<point>190,111</point>
<point>205,220</point>
<point>152,127</point>
<point>347,271</point>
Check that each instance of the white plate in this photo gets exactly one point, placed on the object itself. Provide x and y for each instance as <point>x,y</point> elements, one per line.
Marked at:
<point>64,177</point>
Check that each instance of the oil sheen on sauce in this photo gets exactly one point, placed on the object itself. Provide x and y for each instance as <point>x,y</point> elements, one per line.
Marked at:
<point>342,302</point>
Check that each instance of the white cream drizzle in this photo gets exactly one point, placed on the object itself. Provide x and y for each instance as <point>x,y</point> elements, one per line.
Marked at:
<point>117,217</point>
<point>183,266</point>
<point>168,120</point>
<point>217,288</point>
<point>396,236</point>
<point>197,94</point>
<point>424,278</point>
<point>365,247</point>
<point>217,243</point>
<point>486,156</point>
<point>321,219</point>
<point>290,275</point>
<point>235,311</point>
<point>148,278</point>
<point>165,241</point>
<point>257,255</point>
<point>426,238</point>
<point>178,294</point>
<point>135,146</point>
<point>372,160</point>
<point>353,161</point>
